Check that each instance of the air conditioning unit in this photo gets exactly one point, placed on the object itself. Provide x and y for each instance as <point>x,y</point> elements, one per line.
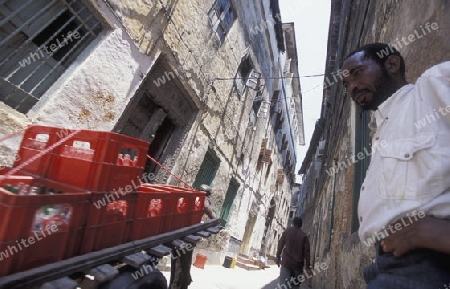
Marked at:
<point>253,80</point>
<point>264,109</point>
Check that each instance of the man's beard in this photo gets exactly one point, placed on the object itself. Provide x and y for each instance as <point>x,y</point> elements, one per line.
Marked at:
<point>385,87</point>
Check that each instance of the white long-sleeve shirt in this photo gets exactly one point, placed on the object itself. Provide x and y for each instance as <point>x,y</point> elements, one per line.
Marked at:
<point>410,165</point>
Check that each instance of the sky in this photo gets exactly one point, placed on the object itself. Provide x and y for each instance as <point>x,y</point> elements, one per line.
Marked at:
<point>311,20</point>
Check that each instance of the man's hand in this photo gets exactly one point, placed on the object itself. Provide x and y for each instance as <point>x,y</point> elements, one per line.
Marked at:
<point>428,232</point>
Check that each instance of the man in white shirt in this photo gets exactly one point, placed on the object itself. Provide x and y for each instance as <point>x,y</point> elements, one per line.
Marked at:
<point>405,198</point>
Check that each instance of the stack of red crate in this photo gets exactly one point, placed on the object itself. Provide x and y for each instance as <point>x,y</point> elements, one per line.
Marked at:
<point>108,164</point>
<point>28,236</point>
<point>99,174</point>
<point>111,166</point>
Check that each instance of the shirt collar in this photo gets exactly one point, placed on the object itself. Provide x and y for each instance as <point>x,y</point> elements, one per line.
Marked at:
<point>385,109</point>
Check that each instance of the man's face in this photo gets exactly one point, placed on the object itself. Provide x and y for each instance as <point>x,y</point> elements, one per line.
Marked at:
<point>368,84</point>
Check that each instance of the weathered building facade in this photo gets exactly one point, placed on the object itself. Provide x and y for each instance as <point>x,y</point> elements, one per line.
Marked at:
<point>339,153</point>
<point>213,85</point>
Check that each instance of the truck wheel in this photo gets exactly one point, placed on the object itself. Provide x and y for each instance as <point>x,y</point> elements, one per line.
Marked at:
<point>131,278</point>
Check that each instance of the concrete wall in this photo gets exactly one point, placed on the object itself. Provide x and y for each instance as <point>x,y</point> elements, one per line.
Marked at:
<point>329,199</point>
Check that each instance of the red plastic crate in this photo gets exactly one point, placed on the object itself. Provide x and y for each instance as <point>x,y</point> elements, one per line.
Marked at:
<point>123,177</point>
<point>36,139</point>
<point>198,208</point>
<point>70,212</point>
<point>93,157</point>
<point>152,209</point>
<point>180,206</point>
<point>109,216</point>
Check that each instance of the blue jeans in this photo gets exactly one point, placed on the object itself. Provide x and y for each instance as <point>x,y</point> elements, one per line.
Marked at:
<point>284,281</point>
<point>418,269</point>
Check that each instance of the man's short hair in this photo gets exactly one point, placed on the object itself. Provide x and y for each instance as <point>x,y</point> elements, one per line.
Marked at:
<point>298,222</point>
<point>205,188</point>
<point>379,52</point>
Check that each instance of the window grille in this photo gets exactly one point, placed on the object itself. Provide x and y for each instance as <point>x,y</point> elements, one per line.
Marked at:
<point>39,39</point>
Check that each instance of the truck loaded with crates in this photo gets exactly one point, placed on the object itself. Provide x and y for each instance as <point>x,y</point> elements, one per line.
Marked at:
<point>74,213</point>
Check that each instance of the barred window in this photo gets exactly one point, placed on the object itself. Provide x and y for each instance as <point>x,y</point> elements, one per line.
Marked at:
<point>39,39</point>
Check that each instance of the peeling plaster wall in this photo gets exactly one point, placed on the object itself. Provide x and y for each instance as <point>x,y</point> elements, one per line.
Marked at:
<point>96,93</point>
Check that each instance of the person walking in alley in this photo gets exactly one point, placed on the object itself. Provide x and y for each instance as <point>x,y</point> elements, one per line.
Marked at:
<point>407,176</point>
<point>208,204</point>
<point>293,248</point>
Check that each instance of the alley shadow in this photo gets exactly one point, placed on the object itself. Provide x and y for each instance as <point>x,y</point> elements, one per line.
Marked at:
<point>271,285</point>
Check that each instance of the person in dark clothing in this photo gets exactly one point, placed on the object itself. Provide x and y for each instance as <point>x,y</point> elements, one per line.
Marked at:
<point>208,204</point>
<point>293,248</point>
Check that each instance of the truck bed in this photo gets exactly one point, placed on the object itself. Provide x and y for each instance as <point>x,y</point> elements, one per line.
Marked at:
<point>155,247</point>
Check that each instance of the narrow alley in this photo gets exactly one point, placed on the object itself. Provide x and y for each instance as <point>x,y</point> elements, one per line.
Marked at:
<point>276,142</point>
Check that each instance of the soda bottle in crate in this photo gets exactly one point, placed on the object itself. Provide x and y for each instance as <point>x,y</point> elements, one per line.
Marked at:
<point>36,139</point>
<point>117,211</point>
<point>154,208</point>
<point>56,216</point>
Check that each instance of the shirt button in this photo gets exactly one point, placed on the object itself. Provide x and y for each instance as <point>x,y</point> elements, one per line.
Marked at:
<point>360,219</point>
<point>406,155</point>
<point>362,188</point>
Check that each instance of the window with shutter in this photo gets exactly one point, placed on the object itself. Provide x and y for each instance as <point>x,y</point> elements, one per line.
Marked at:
<point>222,16</point>
<point>242,75</point>
<point>208,170</point>
<point>233,187</point>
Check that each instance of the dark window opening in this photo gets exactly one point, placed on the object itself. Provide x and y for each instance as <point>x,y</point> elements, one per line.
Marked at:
<point>257,103</point>
<point>245,68</point>
<point>65,39</point>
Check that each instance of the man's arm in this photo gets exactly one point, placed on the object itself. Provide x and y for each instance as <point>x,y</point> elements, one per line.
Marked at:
<point>306,252</point>
<point>208,209</point>
<point>281,244</point>
<point>210,213</point>
<point>429,232</point>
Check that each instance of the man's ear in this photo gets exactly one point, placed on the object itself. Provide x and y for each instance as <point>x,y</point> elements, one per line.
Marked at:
<point>392,64</point>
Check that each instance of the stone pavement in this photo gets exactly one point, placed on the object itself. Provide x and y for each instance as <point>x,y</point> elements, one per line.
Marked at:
<point>218,277</point>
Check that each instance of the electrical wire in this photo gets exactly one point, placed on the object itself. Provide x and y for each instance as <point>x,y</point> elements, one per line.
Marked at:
<point>292,77</point>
